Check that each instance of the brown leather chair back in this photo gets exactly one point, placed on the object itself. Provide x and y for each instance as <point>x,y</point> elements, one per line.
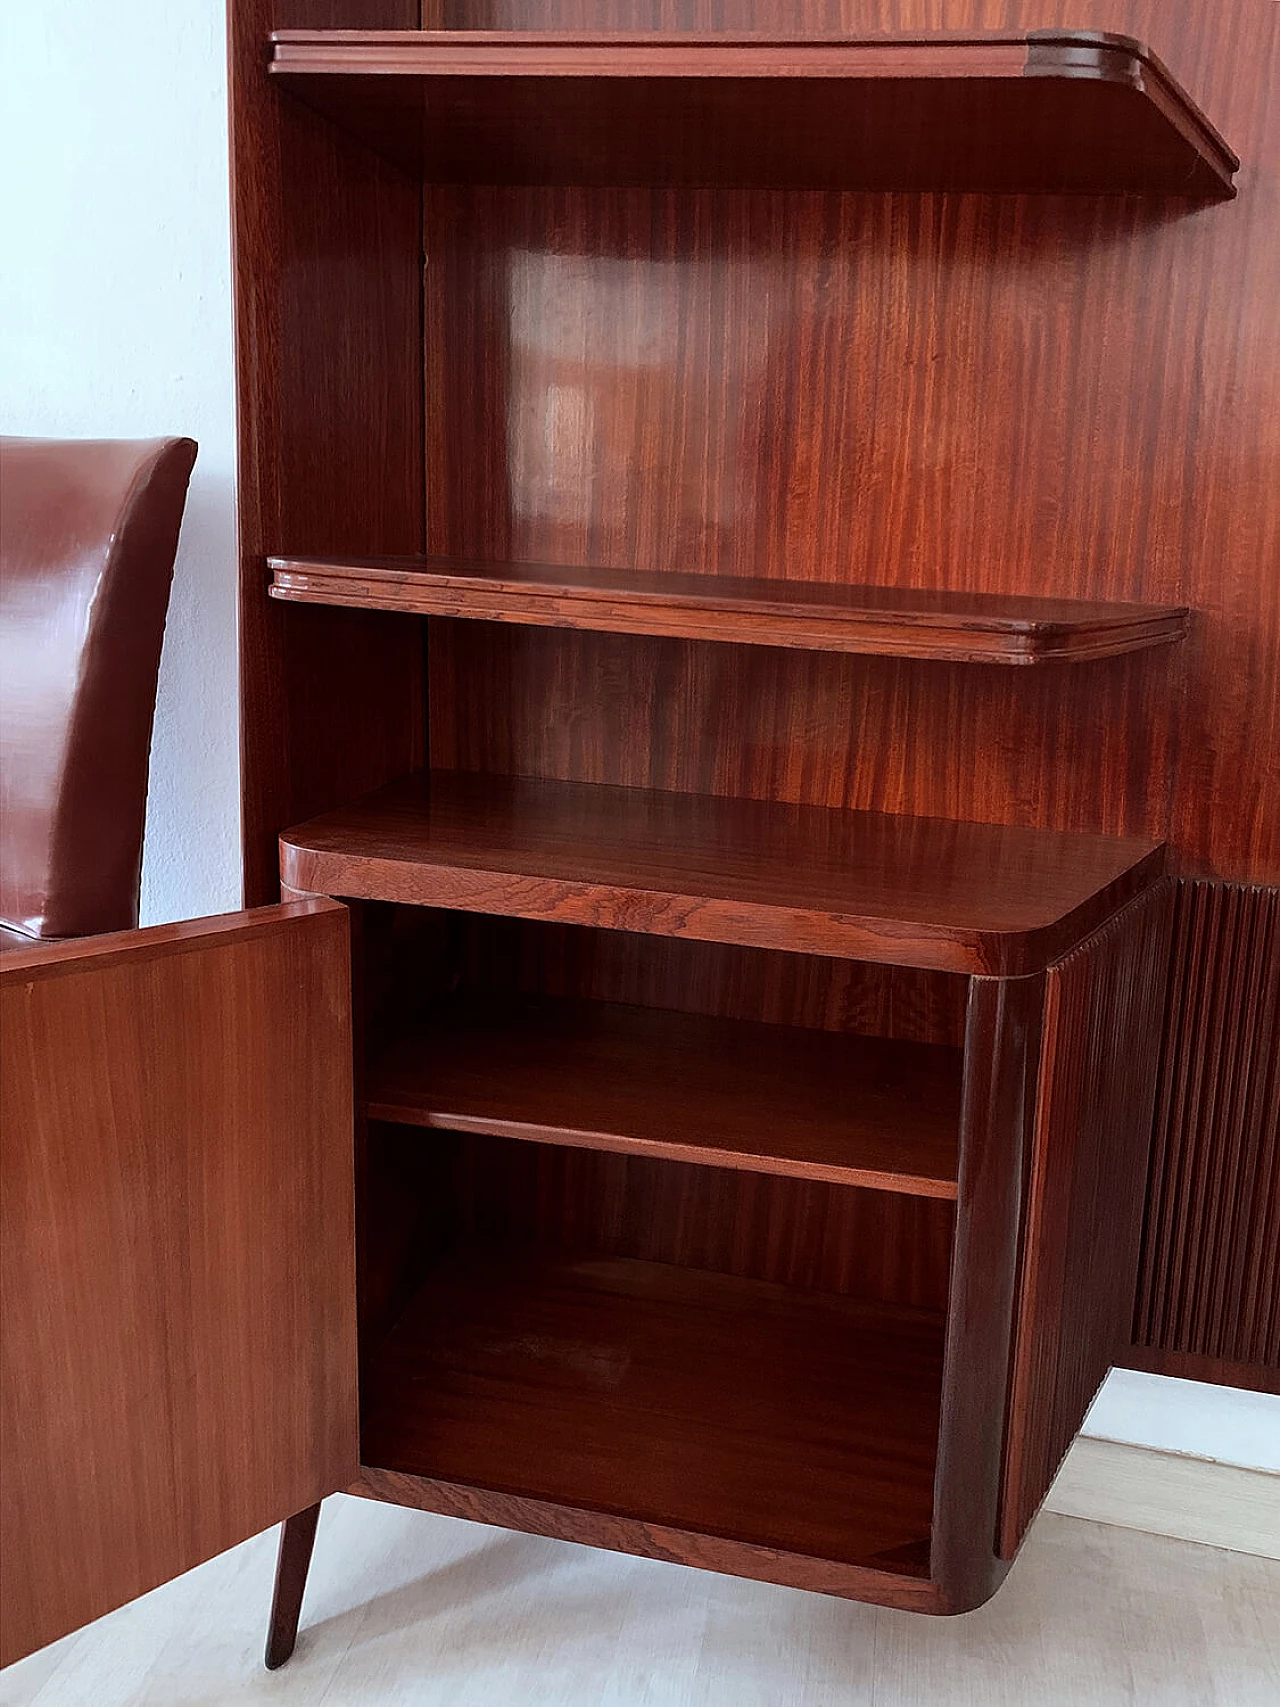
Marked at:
<point>88,531</point>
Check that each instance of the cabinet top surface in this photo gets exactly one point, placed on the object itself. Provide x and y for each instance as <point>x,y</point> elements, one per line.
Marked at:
<point>959,896</point>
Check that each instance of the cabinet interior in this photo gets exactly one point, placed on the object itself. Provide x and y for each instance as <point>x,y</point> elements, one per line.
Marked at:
<point>726,1350</point>
<point>590,1330</point>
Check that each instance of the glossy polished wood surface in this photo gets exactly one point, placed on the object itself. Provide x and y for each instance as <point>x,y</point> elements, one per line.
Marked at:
<point>768,986</point>
<point>178,1281</point>
<point>1084,1194</point>
<point>795,1421</point>
<point>1002,1059</point>
<point>648,1540</point>
<point>1032,395</point>
<point>771,1099</point>
<point>911,892</point>
<point>1049,111</point>
<point>814,615</point>
<point>880,1246</point>
<point>1026,396</point>
<point>1042,396</point>
<point>328,313</point>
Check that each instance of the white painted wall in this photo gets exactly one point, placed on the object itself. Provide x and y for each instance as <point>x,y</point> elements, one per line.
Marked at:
<point>115,320</point>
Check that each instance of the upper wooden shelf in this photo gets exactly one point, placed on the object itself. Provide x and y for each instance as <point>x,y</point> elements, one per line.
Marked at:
<point>1048,111</point>
<point>903,622</point>
<point>928,892</point>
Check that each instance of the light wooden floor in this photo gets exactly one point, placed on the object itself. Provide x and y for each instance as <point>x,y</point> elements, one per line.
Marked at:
<point>407,1610</point>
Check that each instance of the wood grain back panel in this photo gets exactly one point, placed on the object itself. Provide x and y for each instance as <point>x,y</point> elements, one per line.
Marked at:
<point>178,1252</point>
<point>1044,395</point>
<point>803,1233</point>
<point>1103,1013</point>
<point>707,978</point>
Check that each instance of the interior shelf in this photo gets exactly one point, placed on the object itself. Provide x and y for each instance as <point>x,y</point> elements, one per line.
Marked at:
<point>904,622</point>
<point>926,892</point>
<point>724,1093</point>
<point>1051,110</point>
<point>733,1407</point>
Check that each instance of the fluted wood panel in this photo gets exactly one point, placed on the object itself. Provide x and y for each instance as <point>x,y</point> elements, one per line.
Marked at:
<point>1099,1059</point>
<point>1209,1285</point>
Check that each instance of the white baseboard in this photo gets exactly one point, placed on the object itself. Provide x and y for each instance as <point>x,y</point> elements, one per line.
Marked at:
<point>1226,1424</point>
<point>1170,1493</point>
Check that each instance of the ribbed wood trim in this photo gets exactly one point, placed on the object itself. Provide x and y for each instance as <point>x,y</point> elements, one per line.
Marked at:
<point>1209,1279</point>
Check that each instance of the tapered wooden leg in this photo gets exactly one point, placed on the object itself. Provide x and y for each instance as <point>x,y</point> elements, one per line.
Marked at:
<point>297,1538</point>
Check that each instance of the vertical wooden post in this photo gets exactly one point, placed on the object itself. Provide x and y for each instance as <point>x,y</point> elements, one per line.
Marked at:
<point>1002,1053</point>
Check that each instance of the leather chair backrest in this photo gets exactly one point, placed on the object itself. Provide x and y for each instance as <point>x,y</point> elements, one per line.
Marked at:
<point>88,532</point>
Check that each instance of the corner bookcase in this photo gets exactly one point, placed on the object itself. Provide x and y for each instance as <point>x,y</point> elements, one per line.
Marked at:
<point>748,1162</point>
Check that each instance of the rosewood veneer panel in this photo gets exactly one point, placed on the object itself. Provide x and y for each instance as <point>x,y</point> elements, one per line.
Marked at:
<point>952,896</point>
<point>1101,1044</point>
<point>179,1336</point>
<point>768,986</point>
<point>328,309</point>
<point>1075,396</point>
<point>771,1099</point>
<point>1049,111</point>
<point>1069,394</point>
<point>1002,1055</point>
<point>887,1587</point>
<point>819,616</point>
<point>880,1246</point>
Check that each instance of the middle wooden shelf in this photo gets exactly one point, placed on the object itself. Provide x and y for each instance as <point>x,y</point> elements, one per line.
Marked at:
<point>775,1099</point>
<point>819,616</point>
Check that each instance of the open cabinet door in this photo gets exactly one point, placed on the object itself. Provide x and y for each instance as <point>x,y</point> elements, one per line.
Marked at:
<point>179,1355</point>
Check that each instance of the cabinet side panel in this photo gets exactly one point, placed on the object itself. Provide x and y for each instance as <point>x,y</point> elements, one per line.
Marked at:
<point>1103,1006</point>
<point>178,1287</point>
<point>1209,1284</point>
<point>328,299</point>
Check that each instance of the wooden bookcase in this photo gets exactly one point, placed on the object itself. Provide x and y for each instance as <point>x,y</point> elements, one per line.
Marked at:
<point>748,1166</point>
